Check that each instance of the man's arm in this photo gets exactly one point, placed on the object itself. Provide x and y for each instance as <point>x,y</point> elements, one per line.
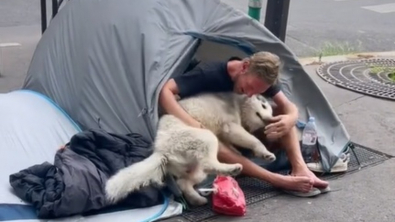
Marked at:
<point>284,120</point>
<point>169,103</point>
<point>285,106</point>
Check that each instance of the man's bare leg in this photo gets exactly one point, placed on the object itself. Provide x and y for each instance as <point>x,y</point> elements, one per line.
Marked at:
<point>290,143</point>
<point>296,183</point>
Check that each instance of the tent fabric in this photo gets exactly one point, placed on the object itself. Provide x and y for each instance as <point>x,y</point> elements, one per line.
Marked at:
<point>32,128</point>
<point>111,64</point>
<point>104,62</point>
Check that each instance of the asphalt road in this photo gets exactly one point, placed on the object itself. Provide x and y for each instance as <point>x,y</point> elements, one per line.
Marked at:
<point>344,25</point>
<point>19,12</point>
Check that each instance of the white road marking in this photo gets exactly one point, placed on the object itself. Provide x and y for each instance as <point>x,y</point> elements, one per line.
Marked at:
<point>9,44</point>
<point>384,8</point>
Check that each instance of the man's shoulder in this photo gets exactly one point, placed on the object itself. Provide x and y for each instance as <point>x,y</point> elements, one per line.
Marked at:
<point>217,65</point>
<point>215,69</point>
<point>234,58</point>
<point>272,90</point>
<point>208,76</point>
<point>213,65</point>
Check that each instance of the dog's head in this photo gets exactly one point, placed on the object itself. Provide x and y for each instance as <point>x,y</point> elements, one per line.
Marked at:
<point>255,112</point>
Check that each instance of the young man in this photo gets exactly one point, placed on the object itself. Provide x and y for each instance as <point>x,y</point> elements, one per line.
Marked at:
<point>257,74</point>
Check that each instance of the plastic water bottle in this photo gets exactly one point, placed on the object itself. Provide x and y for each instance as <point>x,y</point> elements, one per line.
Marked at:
<point>309,140</point>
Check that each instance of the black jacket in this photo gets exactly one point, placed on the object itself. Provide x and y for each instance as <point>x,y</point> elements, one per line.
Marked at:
<point>75,183</point>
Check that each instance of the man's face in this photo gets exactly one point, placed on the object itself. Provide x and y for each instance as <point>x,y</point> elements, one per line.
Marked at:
<point>250,84</point>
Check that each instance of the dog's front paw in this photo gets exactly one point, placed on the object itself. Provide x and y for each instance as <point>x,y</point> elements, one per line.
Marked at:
<point>236,169</point>
<point>263,153</point>
<point>269,157</point>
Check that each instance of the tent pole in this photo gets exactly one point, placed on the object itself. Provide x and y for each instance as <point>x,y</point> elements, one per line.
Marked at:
<point>276,17</point>
<point>55,7</point>
<point>254,9</point>
<point>43,6</point>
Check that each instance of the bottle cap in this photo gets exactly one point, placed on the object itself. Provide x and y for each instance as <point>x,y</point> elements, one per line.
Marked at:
<point>311,118</point>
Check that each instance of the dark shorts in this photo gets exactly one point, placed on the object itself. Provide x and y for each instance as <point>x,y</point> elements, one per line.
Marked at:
<point>281,163</point>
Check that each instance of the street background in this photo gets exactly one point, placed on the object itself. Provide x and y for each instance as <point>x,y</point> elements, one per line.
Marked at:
<point>336,26</point>
<point>327,27</point>
<point>330,27</point>
<point>313,26</point>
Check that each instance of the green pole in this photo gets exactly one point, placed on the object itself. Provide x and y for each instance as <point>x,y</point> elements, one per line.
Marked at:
<point>254,9</point>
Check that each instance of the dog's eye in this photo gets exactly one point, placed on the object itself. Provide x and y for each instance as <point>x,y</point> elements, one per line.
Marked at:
<point>263,106</point>
<point>259,115</point>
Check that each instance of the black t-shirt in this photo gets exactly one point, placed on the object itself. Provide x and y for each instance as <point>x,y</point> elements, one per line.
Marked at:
<point>211,77</point>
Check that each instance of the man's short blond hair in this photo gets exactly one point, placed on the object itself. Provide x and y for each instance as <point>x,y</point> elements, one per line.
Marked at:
<point>265,65</point>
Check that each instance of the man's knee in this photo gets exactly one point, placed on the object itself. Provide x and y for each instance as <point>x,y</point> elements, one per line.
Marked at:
<point>226,150</point>
<point>222,149</point>
<point>291,134</point>
<point>271,145</point>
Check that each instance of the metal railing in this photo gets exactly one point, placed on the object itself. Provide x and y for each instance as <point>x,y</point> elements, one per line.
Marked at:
<point>55,9</point>
<point>276,15</point>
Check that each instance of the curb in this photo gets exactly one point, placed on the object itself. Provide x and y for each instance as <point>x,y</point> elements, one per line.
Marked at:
<point>363,55</point>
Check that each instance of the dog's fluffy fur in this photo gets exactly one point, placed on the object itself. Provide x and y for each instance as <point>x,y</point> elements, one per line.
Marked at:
<point>189,153</point>
<point>232,118</point>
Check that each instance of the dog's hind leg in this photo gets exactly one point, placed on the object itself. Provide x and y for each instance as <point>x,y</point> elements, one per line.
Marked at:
<point>197,176</point>
<point>192,196</point>
<point>211,164</point>
<point>237,135</point>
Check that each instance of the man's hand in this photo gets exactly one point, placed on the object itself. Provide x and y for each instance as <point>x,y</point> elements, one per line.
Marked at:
<point>279,126</point>
<point>196,124</point>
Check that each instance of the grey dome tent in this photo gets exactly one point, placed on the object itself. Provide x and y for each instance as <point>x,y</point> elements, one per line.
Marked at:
<point>102,63</point>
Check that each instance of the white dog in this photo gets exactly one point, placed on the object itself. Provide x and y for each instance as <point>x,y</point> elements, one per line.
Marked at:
<point>232,118</point>
<point>190,153</point>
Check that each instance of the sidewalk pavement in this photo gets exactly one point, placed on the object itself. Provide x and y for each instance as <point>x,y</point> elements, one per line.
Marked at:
<point>367,195</point>
<point>363,196</point>
<point>17,45</point>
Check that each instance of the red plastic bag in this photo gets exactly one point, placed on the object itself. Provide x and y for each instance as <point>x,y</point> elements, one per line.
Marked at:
<point>228,199</point>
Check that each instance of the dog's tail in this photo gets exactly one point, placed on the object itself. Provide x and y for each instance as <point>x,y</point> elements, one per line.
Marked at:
<point>137,175</point>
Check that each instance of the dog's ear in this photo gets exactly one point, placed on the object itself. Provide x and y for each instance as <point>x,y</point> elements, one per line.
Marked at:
<point>262,98</point>
<point>271,103</point>
<point>267,100</point>
<point>254,98</point>
<point>245,98</point>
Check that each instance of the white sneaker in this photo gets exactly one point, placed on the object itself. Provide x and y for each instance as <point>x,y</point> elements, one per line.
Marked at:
<point>340,166</point>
